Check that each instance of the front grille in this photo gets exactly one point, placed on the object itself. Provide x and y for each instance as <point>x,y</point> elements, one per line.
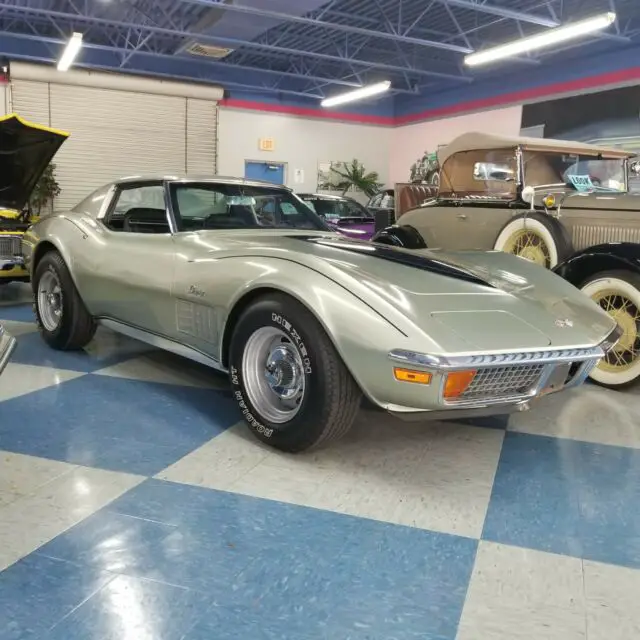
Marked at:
<point>10,246</point>
<point>492,383</point>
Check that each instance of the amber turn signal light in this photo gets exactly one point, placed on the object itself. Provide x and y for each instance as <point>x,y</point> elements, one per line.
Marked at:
<point>457,383</point>
<point>549,201</point>
<point>407,375</point>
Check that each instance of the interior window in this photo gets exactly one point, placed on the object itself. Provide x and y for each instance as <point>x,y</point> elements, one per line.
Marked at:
<point>232,206</point>
<point>139,209</point>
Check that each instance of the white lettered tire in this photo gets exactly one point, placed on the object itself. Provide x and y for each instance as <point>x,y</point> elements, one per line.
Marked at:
<point>290,384</point>
<point>535,237</point>
<point>618,293</point>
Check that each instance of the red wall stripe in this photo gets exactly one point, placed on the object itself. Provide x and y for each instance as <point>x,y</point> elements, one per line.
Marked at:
<point>470,106</point>
<point>525,95</point>
<point>306,112</point>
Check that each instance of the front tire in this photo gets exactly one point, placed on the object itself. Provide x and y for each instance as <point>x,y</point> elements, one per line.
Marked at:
<point>291,386</point>
<point>618,293</point>
<point>63,320</point>
<point>535,237</point>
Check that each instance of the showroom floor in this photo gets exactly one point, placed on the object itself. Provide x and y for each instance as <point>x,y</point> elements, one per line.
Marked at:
<point>134,506</point>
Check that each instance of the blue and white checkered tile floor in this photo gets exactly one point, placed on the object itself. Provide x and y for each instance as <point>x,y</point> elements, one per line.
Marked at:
<point>134,505</point>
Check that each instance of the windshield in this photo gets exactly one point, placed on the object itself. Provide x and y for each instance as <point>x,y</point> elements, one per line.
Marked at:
<point>582,173</point>
<point>230,206</point>
<point>335,208</point>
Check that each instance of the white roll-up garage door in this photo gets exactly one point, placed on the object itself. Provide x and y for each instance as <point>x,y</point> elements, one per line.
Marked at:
<point>117,133</point>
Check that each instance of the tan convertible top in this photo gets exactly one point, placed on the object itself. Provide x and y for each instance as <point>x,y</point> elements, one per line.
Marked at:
<point>475,141</point>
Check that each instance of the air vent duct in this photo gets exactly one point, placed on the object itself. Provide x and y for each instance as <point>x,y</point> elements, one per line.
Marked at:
<point>208,50</point>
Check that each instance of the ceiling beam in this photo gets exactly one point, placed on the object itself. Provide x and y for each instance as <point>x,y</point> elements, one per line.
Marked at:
<point>333,26</point>
<point>520,16</point>
<point>493,10</point>
<point>156,74</point>
<point>214,64</point>
<point>231,42</point>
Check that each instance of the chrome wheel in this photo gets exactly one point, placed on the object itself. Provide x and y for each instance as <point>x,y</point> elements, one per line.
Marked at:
<point>274,375</point>
<point>529,245</point>
<point>50,301</point>
<point>625,354</point>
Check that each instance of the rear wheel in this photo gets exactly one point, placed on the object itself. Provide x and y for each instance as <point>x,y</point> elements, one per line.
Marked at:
<point>292,387</point>
<point>618,293</point>
<point>536,238</point>
<point>63,320</point>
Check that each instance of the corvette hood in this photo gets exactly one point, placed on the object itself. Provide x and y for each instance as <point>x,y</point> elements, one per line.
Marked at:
<point>25,152</point>
<point>460,302</point>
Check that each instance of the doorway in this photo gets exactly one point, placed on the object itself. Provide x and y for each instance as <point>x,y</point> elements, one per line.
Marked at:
<point>267,171</point>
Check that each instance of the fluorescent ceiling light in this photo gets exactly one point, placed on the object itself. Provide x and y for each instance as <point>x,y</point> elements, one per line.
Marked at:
<point>70,52</point>
<point>357,94</point>
<point>544,39</point>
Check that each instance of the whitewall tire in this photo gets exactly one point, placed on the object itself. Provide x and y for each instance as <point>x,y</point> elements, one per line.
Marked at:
<point>618,293</point>
<point>536,238</point>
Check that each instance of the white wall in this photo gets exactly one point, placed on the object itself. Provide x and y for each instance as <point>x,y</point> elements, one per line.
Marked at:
<point>300,143</point>
<point>3,100</point>
<point>411,141</point>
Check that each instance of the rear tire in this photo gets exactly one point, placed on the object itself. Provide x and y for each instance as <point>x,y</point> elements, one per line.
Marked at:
<point>63,320</point>
<point>293,389</point>
<point>618,293</point>
<point>535,237</point>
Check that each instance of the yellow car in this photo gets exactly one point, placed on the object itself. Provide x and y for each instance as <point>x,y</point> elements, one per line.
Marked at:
<point>26,149</point>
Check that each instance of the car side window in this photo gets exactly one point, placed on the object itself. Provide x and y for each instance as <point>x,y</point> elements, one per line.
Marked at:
<point>139,209</point>
<point>197,204</point>
<point>489,174</point>
<point>375,201</point>
<point>352,209</point>
<point>387,201</point>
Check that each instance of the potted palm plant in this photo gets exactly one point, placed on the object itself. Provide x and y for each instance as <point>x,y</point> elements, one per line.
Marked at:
<point>353,175</point>
<point>44,193</point>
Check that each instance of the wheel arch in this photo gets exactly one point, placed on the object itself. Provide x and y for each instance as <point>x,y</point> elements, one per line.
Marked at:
<point>239,306</point>
<point>345,324</point>
<point>584,264</point>
<point>404,236</point>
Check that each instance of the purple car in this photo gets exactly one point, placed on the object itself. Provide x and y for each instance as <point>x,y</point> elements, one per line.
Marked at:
<point>345,215</point>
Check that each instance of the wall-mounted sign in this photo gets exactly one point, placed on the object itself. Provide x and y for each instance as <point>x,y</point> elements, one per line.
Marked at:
<point>298,176</point>
<point>266,144</point>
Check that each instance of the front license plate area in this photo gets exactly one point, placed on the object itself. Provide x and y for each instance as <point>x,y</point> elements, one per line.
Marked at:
<point>557,379</point>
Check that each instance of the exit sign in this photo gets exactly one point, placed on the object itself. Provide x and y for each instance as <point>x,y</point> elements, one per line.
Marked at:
<point>266,144</point>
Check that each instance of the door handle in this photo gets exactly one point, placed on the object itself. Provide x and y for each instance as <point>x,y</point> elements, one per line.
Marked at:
<point>462,216</point>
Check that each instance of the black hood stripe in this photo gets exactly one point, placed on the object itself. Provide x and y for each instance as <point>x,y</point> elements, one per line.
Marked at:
<point>390,254</point>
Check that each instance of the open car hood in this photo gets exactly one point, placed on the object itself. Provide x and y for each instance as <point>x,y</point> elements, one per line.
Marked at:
<point>26,150</point>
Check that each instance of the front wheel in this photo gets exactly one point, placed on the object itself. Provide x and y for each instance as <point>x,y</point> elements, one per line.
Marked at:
<point>618,293</point>
<point>292,387</point>
<point>535,237</point>
<point>63,320</point>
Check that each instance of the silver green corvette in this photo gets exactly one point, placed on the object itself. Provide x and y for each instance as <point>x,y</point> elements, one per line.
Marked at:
<point>244,277</point>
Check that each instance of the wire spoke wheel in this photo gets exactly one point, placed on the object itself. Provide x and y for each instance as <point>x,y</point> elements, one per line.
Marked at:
<point>50,300</point>
<point>625,312</point>
<point>530,245</point>
<point>274,375</point>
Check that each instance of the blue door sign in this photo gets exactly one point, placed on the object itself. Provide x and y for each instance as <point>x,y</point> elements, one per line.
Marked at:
<point>267,171</point>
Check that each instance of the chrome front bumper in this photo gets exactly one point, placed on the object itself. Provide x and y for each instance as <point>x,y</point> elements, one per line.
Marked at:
<point>7,346</point>
<point>502,383</point>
